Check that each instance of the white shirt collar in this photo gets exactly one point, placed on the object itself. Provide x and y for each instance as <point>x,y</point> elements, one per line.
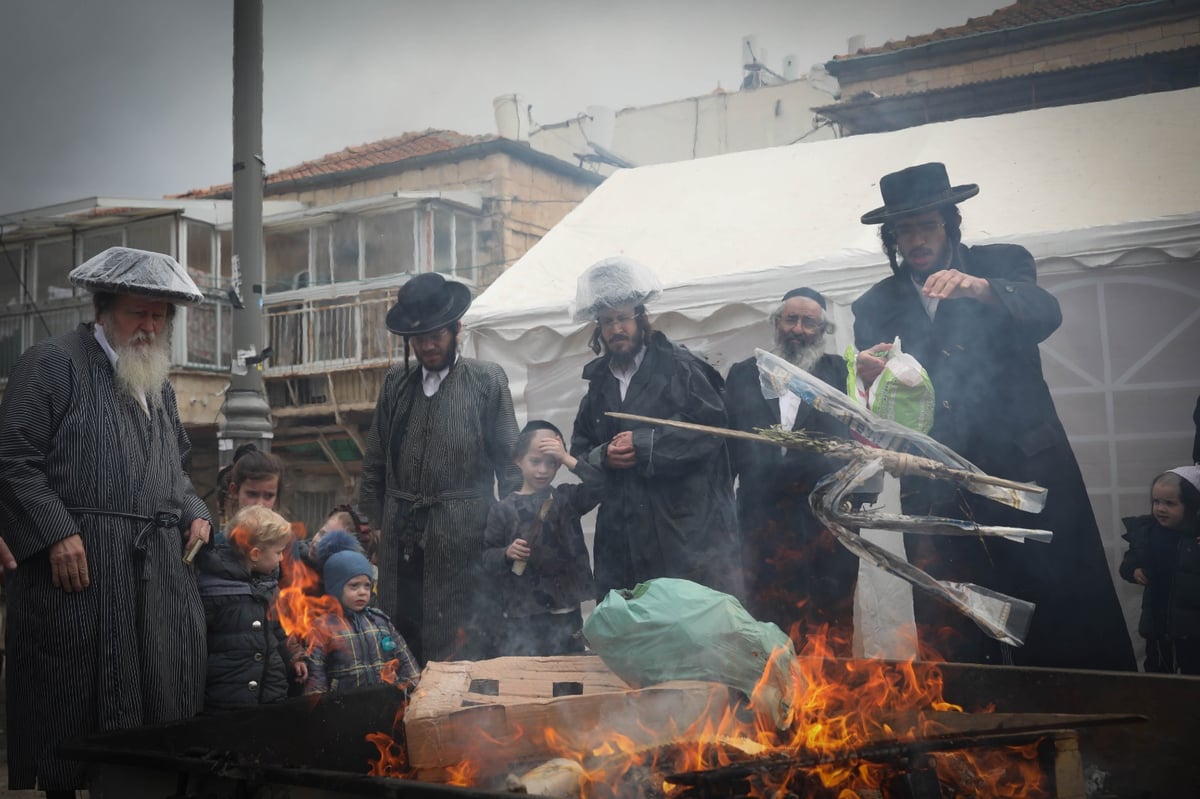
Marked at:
<point>432,381</point>
<point>625,376</point>
<point>104,345</point>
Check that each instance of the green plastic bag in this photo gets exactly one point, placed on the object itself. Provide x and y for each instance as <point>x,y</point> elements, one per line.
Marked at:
<point>670,629</point>
<point>903,392</point>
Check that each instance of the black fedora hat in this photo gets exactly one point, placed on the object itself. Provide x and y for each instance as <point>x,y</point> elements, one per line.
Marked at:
<point>427,302</point>
<point>917,189</point>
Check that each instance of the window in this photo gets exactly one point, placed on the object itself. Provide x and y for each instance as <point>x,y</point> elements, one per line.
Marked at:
<point>286,260</point>
<point>199,257</point>
<point>443,241</point>
<point>390,244</point>
<point>345,250</point>
<point>55,260</point>
<point>466,247</point>
<point>101,240</point>
<point>155,235</point>
<point>322,274</point>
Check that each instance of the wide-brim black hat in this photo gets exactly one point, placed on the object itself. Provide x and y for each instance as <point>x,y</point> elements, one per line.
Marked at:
<point>427,302</point>
<point>915,190</point>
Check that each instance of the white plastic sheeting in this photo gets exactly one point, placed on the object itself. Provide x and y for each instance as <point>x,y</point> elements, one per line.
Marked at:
<point>1105,195</point>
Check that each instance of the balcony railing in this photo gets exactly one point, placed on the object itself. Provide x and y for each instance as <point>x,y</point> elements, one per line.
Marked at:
<point>322,335</point>
<point>201,338</point>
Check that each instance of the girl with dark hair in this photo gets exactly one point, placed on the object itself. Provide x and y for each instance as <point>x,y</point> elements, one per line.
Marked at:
<point>253,478</point>
<point>1164,558</point>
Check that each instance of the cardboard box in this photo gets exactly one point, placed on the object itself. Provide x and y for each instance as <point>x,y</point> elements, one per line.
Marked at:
<point>509,713</point>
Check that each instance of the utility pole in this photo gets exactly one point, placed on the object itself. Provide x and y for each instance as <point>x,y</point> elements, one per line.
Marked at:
<point>246,416</point>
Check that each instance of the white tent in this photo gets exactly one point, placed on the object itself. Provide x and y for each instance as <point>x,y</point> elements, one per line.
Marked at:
<point>1105,195</point>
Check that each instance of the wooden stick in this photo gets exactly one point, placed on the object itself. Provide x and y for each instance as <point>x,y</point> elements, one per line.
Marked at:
<point>845,450</point>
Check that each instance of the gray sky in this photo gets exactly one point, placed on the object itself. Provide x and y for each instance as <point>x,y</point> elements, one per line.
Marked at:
<point>134,97</point>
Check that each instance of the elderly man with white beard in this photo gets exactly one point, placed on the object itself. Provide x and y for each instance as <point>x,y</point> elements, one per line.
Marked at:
<point>797,575</point>
<point>105,624</point>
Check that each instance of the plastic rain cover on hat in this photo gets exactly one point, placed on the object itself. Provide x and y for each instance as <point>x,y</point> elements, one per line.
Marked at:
<point>611,283</point>
<point>123,270</point>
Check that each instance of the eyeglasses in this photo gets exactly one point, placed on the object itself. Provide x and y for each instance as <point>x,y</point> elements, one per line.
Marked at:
<point>807,322</point>
<point>922,229</point>
<point>610,322</point>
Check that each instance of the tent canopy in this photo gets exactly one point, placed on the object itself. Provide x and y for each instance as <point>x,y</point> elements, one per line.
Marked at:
<point>1089,183</point>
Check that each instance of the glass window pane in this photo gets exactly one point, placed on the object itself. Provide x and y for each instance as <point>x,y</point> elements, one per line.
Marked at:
<point>464,246</point>
<point>287,260</point>
<point>345,250</point>
<point>154,235</point>
<point>199,257</point>
<point>320,256</point>
<point>202,334</point>
<point>443,241</point>
<point>388,239</point>
<point>99,241</point>
<point>225,241</point>
<point>55,259</point>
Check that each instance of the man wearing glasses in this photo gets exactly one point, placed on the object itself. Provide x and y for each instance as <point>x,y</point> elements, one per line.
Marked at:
<point>797,575</point>
<point>973,317</point>
<point>668,502</point>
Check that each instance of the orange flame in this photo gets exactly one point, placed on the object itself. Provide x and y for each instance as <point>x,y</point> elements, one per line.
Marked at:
<point>840,707</point>
<point>302,604</point>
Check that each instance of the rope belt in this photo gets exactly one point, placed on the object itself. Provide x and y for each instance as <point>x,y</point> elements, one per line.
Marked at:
<point>418,505</point>
<point>161,520</point>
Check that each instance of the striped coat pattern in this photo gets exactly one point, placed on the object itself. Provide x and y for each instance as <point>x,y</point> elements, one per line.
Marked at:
<point>129,649</point>
<point>429,475</point>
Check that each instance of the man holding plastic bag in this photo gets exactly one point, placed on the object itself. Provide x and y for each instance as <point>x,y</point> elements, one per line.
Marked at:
<point>973,318</point>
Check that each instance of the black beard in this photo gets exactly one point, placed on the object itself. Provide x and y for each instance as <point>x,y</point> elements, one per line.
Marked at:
<point>622,360</point>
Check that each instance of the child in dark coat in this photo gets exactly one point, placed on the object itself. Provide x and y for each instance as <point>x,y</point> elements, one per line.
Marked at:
<point>535,552</point>
<point>1164,557</point>
<point>350,649</point>
<point>248,659</point>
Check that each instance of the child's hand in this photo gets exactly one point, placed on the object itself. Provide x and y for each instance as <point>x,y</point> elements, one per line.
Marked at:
<point>300,669</point>
<point>517,550</point>
<point>553,446</point>
<point>1139,576</point>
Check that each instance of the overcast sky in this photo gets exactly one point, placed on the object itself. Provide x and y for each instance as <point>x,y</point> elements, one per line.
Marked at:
<point>133,98</point>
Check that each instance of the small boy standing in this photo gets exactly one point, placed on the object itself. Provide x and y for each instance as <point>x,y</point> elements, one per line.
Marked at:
<point>535,550</point>
<point>248,657</point>
<point>1164,557</point>
<point>351,648</point>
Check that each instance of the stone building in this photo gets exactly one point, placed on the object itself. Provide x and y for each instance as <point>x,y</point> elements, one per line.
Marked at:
<point>1031,54</point>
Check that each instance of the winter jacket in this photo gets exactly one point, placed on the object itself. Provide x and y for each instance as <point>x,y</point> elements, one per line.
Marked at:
<point>350,651</point>
<point>1171,561</point>
<point>558,573</point>
<point>247,653</point>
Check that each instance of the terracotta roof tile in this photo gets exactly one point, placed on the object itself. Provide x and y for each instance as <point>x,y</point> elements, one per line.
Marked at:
<point>1019,14</point>
<point>376,153</point>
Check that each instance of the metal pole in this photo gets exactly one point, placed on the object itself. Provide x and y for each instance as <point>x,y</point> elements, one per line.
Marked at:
<point>246,414</point>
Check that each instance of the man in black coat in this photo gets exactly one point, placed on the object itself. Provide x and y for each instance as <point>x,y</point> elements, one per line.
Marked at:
<point>668,500</point>
<point>797,574</point>
<point>973,317</point>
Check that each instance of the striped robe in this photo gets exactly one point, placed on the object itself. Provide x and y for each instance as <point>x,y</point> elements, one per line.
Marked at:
<point>129,649</point>
<point>458,440</point>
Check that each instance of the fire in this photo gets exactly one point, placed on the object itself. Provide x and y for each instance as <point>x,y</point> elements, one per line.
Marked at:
<point>301,602</point>
<point>846,712</point>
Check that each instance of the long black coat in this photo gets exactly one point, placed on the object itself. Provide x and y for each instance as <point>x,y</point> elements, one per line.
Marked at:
<point>795,570</point>
<point>994,408</point>
<point>129,649</point>
<point>672,514</point>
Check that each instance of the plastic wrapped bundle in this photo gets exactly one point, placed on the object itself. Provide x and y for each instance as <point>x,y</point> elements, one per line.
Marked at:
<point>611,283</point>
<point>123,270</point>
<point>671,629</point>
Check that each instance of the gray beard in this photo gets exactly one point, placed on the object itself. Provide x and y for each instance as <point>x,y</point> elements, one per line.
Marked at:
<point>804,356</point>
<point>142,370</point>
